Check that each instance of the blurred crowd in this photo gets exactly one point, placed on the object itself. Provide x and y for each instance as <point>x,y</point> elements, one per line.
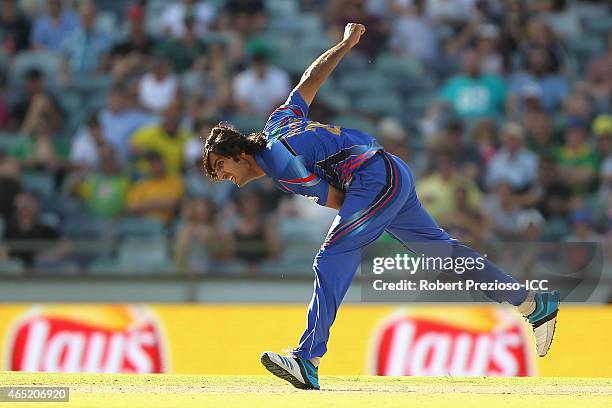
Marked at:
<point>502,108</point>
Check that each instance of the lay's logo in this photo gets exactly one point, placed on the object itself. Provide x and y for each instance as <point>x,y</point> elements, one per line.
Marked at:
<point>462,342</point>
<point>99,339</point>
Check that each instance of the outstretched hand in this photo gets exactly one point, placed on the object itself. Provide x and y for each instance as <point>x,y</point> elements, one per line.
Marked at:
<point>319,70</point>
<point>352,33</point>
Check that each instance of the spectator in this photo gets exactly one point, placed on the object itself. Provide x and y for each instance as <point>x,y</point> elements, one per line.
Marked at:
<point>540,133</point>
<point>538,77</point>
<point>42,150</point>
<point>413,33</point>
<point>196,185</point>
<point>137,39</point>
<point>599,75</point>
<point>513,23</point>
<point>582,229</point>
<point>261,87</point>
<point>31,237</point>
<point>531,227</point>
<point>549,195</point>
<point>254,235</point>
<point>186,49</point>
<point>492,59</point>
<point>342,12</point>
<point>513,163</point>
<point>35,102</point>
<point>578,105</point>
<point>465,158</point>
<point>541,37</point>
<point>562,17</point>
<point>485,141</point>
<point>502,211</point>
<point>128,55</point>
<point>10,185</point>
<point>208,85</point>
<point>159,87</point>
<point>50,30</point>
<point>197,237</point>
<point>454,13</point>
<point>158,194</point>
<point>532,223</point>
<point>473,94</point>
<point>85,50</point>
<point>245,17</point>
<point>485,39</point>
<point>174,17</point>
<point>437,190</point>
<point>166,138</point>
<point>577,161</point>
<point>14,28</point>
<point>86,145</point>
<point>104,191</point>
<point>393,137</point>
<point>530,102</point>
<point>602,127</point>
<point>120,119</point>
<point>464,221</point>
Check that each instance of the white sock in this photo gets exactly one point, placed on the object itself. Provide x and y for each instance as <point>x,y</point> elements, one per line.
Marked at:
<point>528,306</point>
<point>315,361</point>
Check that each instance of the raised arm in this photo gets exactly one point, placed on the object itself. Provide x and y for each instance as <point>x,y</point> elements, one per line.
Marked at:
<point>319,70</point>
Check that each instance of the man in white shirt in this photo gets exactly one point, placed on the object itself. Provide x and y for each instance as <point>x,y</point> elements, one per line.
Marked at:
<point>260,88</point>
<point>513,163</point>
<point>173,17</point>
<point>85,145</point>
<point>413,33</point>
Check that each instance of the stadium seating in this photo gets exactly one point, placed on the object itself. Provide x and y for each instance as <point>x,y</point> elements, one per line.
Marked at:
<point>46,61</point>
<point>354,122</point>
<point>142,257</point>
<point>363,83</point>
<point>248,123</point>
<point>103,266</point>
<point>57,267</point>
<point>141,228</point>
<point>8,140</point>
<point>383,103</point>
<point>599,24</point>
<point>40,183</point>
<point>364,87</point>
<point>396,66</point>
<point>11,267</point>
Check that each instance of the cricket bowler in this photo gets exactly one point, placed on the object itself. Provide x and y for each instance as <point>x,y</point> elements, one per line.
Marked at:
<point>373,191</point>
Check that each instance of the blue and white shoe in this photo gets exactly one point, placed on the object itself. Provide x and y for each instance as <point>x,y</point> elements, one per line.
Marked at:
<point>543,319</point>
<point>300,372</point>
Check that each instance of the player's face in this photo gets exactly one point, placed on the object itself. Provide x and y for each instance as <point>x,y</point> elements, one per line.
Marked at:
<point>237,171</point>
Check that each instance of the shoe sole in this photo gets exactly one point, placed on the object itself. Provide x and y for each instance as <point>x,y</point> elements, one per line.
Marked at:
<point>281,373</point>
<point>552,336</point>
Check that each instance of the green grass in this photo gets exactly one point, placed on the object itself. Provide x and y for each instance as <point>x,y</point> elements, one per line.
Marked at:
<point>187,391</point>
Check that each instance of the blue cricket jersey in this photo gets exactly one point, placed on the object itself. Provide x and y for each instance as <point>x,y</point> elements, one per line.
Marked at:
<point>306,157</point>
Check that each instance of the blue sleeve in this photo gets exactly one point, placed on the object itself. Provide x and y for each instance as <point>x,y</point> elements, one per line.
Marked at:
<point>297,179</point>
<point>293,176</point>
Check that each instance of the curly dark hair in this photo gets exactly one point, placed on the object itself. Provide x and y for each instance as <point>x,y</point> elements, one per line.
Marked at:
<point>224,140</point>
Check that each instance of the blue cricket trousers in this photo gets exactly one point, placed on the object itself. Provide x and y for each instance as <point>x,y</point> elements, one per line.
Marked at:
<point>381,197</point>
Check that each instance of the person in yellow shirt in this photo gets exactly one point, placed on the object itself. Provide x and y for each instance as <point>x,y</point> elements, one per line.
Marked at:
<point>437,190</point>
<point>158,195</point>
<point>166,138</point>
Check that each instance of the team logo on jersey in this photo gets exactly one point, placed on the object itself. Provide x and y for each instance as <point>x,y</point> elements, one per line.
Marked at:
<point>313,199</point>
